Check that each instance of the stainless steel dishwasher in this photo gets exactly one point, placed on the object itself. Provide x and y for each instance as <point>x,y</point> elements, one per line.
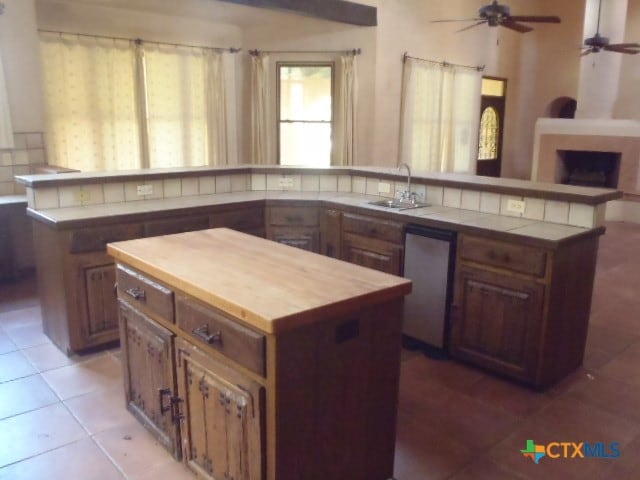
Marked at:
<point>429,261</point>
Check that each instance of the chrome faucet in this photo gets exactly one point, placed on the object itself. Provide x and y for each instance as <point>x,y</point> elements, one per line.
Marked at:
<point>406,195</point>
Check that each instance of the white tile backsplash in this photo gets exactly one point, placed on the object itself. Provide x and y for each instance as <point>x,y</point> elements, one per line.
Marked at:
<point>581,215</point>
<point>20,141</point>
<point>470,200</point>
<point>258,181</point>
<point>490,202</point>
<point>46,198</point>
<point>223,184</point>
<point>239,183</point>
<point>359,184</point>
<point>207,185</point>
<point>504,205</point>
<point>371,187</point>
<point>189,186</point>
<point>157,190</point>
<point>6,159</point>
<point>113,192</point>
<point>36,156</point>
<point>310,183</point>
<point>20,157</point>
<point>34,140</point>
<point>6,174</point>
<point>556,212</point>
<point>452,197</point>
<point>344,183</point>
<point>435,194</point>
<point>131,191</point>
<point>70,196</point>
<point>534,208</point>
<point>92,194</point>
<point>328,183</point>
<point>172,187</point>
<point>7,188</point>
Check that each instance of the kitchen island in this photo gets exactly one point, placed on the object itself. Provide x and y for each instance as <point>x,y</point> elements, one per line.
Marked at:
<point>250,359</point>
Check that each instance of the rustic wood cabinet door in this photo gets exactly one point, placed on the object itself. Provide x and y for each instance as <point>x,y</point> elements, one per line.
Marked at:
<point>496,322</point>
<point>101,300</point>
<point>372,253</point>
<point>223,433</point>
<point>147,359</point>
<point>305,238</point>
<point>330,232</point>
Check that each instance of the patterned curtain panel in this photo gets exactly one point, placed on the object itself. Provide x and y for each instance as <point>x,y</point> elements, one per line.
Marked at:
<point>90,100</point>
<point>440,109</point>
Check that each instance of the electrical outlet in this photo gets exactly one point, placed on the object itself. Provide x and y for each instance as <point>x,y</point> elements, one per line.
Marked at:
<point>384,187</point>
<point>285,181</point>
<point>515,206</point>
<point>146,189</point>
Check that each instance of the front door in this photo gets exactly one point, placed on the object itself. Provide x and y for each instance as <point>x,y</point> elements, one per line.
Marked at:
<point>492,108</point>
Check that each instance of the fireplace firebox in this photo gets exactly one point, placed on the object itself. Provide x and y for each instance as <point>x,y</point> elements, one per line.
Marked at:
<point>589,168</point>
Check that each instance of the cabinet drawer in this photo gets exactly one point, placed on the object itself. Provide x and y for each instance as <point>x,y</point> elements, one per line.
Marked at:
<point>373,227</point>
<point>96,239</point>
<point>293,216</point>
<point>518,258</point>
<point>244,219</point>
<point>175,225</point>
<point>221,332</point>
<point>144,293</point>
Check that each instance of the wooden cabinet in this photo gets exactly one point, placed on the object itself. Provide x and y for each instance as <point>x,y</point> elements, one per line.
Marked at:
<point>102,314</point>
<point>522,311</point>
<point>6,251</point>
<point>373,242</point>
<point>296,226</point>
<point>243,219</point>
<point>168,226</point>
<point>331,232</point>
<point>148,367</point>
<point>222,435</point>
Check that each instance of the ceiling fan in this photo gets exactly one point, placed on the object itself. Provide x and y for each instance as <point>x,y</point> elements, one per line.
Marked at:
<point>496,15</point>
<point>597,42</point>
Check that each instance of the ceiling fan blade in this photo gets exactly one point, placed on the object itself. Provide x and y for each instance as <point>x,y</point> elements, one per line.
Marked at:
<point>471,26</point>
<point>625,45</point>
<point>535,18</point>
<point>586,52</point>
<point>515,26</point>
<point>456,20</point>
<point>619,49</point>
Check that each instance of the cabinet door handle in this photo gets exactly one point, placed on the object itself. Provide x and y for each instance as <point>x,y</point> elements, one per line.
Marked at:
<point>163,392</point>
<point>203,334</point>
<point>137,293</point>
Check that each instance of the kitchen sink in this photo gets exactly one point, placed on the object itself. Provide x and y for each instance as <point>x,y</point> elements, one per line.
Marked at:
<point>398,204</point>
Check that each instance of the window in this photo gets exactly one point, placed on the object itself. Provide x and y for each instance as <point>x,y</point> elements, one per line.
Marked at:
<point>492,108</point>
<point>305,114</point>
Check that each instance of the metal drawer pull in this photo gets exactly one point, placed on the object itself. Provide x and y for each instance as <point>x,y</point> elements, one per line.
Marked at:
<point>136,292</point>
<point>203,334</point>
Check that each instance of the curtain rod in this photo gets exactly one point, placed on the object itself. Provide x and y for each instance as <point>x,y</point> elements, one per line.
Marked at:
<point>139,41</point>
<point>479,68</point>
<point>354,51</point>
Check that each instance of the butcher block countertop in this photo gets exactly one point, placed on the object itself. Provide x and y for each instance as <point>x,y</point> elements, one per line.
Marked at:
<point>269,286</point>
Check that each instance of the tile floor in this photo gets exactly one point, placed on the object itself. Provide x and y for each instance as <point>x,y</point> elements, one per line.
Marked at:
<point>64,418</point>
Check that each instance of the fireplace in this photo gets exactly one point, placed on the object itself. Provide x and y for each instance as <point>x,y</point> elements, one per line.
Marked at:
<point>588,168</point>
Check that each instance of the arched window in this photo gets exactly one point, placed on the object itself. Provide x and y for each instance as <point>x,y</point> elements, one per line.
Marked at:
<point>489,128</point>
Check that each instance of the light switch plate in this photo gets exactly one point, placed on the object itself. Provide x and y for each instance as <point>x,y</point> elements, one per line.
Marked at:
<point>146,189</point>
<point>515,206</point>
<point>285,182</point>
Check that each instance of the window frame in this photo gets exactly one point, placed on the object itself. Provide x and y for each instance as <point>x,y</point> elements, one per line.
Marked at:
<point>325,63</point>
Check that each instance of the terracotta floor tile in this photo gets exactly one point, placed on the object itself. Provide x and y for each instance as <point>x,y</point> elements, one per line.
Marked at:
<point>101,410</point>
<point>6,345</point>
<point>101,373</point>
<point>20,317</point>
<point>610,395</point>
<point>14,365</point>
<point>625,367</point>
<point>49,357</point>
<point>486,469</point>
<point>25,394</point>
<point>132,448</point>
<point>39,431</point>
<point>81,460</point>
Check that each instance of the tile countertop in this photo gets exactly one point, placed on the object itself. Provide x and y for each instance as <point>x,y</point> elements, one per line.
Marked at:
<point>437,216</point>
<point>13,200</point>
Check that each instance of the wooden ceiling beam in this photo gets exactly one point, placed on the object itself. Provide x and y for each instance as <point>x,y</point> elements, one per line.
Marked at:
<point>335,10</point>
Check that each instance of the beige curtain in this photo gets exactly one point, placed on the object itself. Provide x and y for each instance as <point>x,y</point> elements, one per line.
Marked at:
<point>216,109</point>
<point>345,125</point>
<point>439,121</point>
<point>261,121</point>
<point>90,101</point>
<point>6,128</point>
<point>176,105</point>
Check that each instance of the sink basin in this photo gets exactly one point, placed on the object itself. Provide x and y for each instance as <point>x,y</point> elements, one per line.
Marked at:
<point>398,204</point>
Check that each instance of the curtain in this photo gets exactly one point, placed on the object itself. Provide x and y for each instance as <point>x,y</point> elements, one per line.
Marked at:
<point>216,109</point>
<point>176,106</point>
<point>90,100</point>
<point>345,135</point>
<point>6,128</point>
<point>261,131</point>
<point>439,119</point>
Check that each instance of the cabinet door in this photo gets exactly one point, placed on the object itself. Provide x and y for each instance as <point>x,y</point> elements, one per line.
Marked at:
<point>372,253</point>
<point>330,233</point>
<point>6,251</point>
<point>223,431</point>
<point>101,300</point>
<point>496,322</point>
<point>305,238</point>
<point>147,360</point>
